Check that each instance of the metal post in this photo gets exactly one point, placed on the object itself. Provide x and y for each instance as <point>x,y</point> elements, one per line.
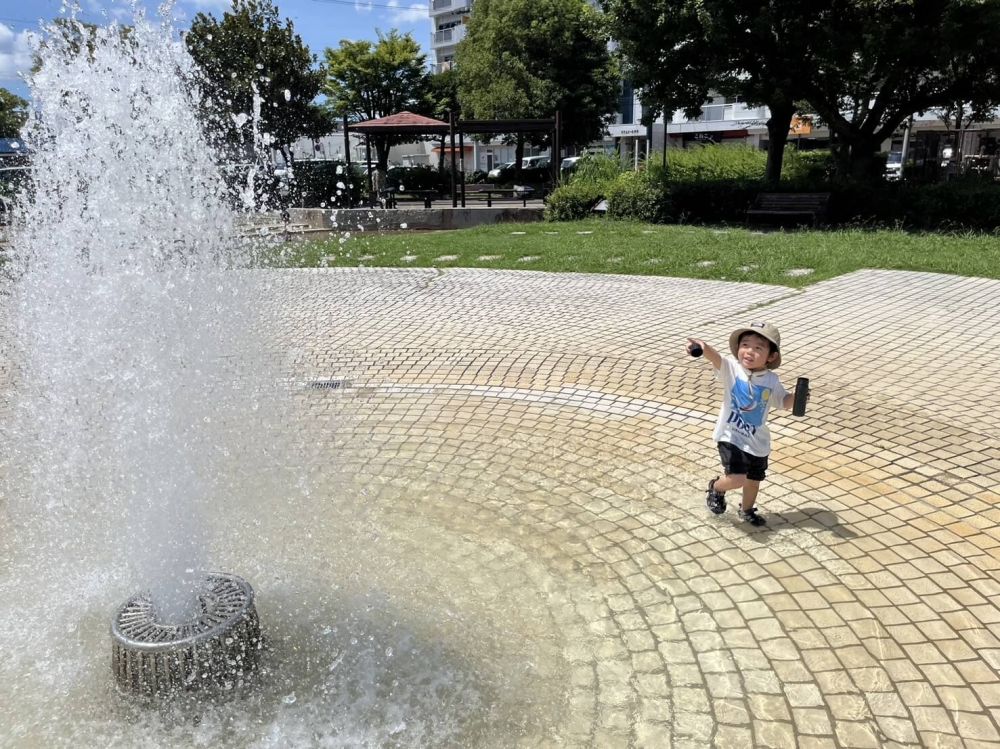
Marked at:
<point>368,166</point>
<point>461,161</point>
<point>556,148</point>
<point>906,147</point>
<point>451,134</point>
<point>665,139</point>
<point>348,178</point>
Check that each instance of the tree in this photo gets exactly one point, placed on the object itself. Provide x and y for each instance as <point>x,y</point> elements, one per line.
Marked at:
<point>13,114</point>
<point>883,61</point>
<point>677,51</point>
<point>366,81</point>
<point>441,100</point>
<point>531,58</point>
<point>249,53</point>
<point>863,66</point>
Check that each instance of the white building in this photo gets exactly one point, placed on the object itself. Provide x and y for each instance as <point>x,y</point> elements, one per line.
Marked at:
<point>448,18</point>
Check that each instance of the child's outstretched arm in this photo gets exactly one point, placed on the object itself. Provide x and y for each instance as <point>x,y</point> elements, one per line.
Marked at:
<point>710,353</point>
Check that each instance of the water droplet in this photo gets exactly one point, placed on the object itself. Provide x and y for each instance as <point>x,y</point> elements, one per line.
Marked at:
<point>289,699</point>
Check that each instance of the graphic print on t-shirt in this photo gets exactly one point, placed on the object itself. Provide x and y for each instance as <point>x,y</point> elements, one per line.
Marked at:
<point>749,402</point>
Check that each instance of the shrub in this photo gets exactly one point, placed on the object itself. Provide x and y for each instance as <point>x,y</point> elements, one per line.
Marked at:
<point>572,201</point>
<point>712,163</point>
<point>811,167</point>
<point>420,177</point>
<point>942,206</point>
<point>598,169</point>
<point>719,201</point>
<point>322,184</point>
<point>639,196</point>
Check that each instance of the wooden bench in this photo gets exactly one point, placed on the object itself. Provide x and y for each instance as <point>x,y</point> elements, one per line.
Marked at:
<point>790,205</point>
<point>391,196</point>
<point>478,188</point>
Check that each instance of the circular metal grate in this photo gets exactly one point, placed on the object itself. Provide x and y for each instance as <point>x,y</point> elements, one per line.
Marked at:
<point>220,647</point>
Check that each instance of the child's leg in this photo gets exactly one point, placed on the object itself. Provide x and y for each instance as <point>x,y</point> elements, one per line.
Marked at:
<point>750,490</point>
<point>731,481</point>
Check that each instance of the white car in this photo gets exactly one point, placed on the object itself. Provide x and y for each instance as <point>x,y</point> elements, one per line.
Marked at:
<point>894,166</point>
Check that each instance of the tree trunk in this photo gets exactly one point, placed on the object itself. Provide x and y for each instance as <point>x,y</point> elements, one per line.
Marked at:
<point>381,154</point>
<point>863,165</point>
<point>777,137</point>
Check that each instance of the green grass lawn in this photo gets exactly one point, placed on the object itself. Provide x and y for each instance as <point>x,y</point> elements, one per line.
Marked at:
<point>602,246</point>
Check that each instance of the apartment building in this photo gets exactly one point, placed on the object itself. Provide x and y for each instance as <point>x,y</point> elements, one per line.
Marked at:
<point>448,18</point>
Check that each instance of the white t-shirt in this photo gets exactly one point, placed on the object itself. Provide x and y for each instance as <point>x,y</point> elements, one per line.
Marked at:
<point>746,399</point>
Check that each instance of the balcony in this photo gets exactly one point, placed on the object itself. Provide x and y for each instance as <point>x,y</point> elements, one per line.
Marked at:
<point>444,6</point>
<point>447,37</point>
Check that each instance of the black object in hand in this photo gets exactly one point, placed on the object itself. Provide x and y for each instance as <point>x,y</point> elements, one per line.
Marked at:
<point>695,350</point>
<point>801,394</point>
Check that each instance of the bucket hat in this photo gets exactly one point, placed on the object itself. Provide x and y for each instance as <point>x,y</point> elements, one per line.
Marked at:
<point>763,329</point>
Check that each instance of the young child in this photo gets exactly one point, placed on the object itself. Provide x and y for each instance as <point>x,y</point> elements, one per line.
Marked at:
<point>750,390</point>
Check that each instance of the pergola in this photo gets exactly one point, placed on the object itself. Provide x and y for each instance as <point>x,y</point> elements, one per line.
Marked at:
<point>408,123</point>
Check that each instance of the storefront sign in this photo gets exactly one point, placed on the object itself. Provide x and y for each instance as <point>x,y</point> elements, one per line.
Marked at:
<point>801,125</point>
<point>626,131</point>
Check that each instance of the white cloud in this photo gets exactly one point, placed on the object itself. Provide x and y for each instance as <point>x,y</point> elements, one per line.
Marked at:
<point>210,6</point>
<point>414,13</point>
<point>363,7</point>
<point>16,49</point>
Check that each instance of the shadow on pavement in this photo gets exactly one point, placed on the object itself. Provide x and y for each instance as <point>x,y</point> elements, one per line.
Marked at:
<point>809,517</point>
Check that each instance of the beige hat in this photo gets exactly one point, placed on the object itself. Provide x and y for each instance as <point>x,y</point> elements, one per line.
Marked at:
<point>763,329</point>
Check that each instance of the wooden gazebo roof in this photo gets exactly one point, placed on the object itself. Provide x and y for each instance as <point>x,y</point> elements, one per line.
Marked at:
<point>401,123</point>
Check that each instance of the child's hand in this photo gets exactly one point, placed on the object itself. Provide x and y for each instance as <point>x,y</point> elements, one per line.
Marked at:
<point>695,347</point>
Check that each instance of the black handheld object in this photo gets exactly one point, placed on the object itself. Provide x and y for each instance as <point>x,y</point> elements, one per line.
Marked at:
<point>695,350</point>
<point>801,394</point>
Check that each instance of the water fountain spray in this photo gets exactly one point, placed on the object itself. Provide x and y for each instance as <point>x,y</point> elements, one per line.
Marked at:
<point>135,338</point>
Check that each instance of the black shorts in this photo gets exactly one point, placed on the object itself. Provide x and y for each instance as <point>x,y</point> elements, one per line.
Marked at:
<point>738,462</point>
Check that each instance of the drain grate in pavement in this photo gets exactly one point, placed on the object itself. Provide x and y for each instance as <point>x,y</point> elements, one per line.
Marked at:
<point>329,384</point>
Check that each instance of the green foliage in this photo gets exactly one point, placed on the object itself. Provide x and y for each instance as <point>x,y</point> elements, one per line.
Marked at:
<point>420,177</point>
<point>712,163</point>
<point>323,184</point>
<point>598,168</point>
<point>953,206</point>
<point>366,81</point>
<point>531,58</point>
<point>808,167</point>
<point>441,95</point>
<point>250,50</point>
<point>716,202</point>
<point>863,67</point>
<point>639,196</point>
<point>13,114</point>
<point>573,201</point>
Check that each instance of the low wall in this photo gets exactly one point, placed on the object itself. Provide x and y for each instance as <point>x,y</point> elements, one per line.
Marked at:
<point>393,219</point>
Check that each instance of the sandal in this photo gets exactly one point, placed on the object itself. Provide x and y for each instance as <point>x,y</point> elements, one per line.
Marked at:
<point>716,501</point>
<point>751,516</point>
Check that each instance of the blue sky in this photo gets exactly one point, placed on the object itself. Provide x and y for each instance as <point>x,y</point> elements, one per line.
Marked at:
<point>320,23</point>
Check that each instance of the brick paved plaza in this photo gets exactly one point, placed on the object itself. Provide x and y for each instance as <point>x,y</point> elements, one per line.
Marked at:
<point>539,444</point>
<point>506,479</point>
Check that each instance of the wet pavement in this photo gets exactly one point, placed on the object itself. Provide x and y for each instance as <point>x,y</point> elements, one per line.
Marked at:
<point>504,524</point>
<point>546,435</point>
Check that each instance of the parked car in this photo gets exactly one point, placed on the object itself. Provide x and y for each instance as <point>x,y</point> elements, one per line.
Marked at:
<point>495,172</point>
<point>535,162</point>
<point>894,166</point>
<point>568,165</point>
